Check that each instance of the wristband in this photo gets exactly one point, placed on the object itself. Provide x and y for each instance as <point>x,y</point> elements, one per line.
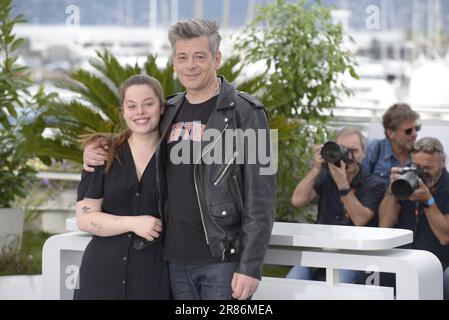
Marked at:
<point>429,202</point>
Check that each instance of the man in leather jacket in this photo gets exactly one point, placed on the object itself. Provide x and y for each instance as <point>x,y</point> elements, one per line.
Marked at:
<point>217,194</point>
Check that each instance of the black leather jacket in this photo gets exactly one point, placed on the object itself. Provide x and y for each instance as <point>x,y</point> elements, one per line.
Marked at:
<point>237,204</point>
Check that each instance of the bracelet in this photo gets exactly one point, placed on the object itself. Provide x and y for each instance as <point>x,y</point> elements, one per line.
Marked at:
<point>344,192</point>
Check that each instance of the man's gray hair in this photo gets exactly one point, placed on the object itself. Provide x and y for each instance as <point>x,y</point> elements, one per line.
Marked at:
<point>194,28</point>
<point>429,145</point>
<point>347,131</point>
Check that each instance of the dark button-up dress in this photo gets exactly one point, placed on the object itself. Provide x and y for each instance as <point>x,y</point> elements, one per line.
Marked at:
<point>111,268</point>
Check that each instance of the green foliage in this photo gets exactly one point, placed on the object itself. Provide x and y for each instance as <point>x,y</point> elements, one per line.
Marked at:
<point>28,259</point>
<point>303,55</point>
<point>15,174</point>
<point>304,61</point>
<point>275,271</point>
<point>16,110</point>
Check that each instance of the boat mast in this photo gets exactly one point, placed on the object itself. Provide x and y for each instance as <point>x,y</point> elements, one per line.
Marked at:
<point>152,13</point>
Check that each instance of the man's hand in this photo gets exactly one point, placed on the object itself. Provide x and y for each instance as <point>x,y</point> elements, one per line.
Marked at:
<point>95,154</point>
<point>317,159</point>
<point>243,286</point>
<point>395,173</point>
<point>339,175</point>
<point>422,193</point>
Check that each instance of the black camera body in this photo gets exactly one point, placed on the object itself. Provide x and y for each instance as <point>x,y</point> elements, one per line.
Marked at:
<point>404,186</point>
<point>334,153</point>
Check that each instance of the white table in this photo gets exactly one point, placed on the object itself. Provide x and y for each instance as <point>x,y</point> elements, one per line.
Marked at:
<point>338,237</point>
<point>418,273</point>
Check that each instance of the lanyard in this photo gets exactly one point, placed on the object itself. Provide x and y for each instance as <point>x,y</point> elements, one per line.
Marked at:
<point>419,210</point>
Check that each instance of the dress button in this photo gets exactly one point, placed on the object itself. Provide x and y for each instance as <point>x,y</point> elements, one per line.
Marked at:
<point>226,119</point>
<point>125,258</point>
<point>137,194</point>
<point>232,250</point>
<point>223,213</point>
<point>129,235</point>
<point>123,282</point>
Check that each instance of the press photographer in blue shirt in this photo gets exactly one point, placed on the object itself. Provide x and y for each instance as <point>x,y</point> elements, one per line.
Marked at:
<point>401,126</point>
<point>425,209</point>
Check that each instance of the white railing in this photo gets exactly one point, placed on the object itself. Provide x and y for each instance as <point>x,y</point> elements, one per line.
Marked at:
<point>371,112</point>
<point>59,176</point>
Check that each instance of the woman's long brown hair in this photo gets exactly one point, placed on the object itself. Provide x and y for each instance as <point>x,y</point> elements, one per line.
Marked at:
<point>114,141</point>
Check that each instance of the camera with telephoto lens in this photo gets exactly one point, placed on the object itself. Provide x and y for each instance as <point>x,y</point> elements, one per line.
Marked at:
<point>334,153</point>
<point>404,186</point>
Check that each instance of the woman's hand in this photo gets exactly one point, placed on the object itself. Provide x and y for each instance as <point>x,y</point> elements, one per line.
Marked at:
<point>146,226</point>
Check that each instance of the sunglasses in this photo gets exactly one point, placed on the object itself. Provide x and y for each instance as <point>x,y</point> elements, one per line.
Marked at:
<point>429,149</point>
<point>409,131</point>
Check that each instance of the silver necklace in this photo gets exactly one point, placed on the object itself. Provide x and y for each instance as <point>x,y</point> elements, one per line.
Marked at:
<point>218,88</point>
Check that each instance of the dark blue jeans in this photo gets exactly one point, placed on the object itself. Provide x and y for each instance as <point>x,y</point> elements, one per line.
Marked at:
<point>202,281</point>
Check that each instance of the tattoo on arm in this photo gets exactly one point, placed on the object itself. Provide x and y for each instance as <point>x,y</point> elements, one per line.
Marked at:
<point>85,210</point>
<point>96,225</point>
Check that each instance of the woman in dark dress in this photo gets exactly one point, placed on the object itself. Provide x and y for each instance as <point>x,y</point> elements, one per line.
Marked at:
<point>117,204</point>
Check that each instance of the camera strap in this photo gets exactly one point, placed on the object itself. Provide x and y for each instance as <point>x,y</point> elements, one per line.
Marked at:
<point>373,163</point>
<point>419,210</point>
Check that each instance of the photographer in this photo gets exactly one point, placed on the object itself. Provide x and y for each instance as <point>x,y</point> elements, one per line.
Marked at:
<point>426,211</point>
<point>401,128</point>
<point>348,195</point>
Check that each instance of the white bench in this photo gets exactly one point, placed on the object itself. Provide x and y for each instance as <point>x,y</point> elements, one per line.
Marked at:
<point>419,273</point>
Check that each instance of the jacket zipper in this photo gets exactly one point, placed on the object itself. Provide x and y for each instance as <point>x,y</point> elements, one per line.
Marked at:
<point>196,185</point>
<point>217,181</point>
<point>238,191</point>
